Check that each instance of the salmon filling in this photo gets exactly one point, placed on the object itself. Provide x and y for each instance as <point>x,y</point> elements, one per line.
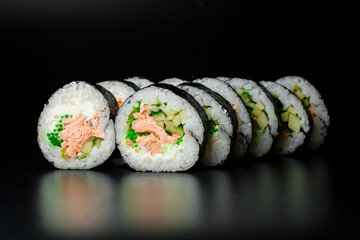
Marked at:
<point>152,129</point>
<point>76,136</point>
<point>119,101</point>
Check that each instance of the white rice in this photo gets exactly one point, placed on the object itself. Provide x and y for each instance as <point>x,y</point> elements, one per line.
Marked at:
<point>289,144</point>
<point>244,131</point>
<point>223,78</point>
<point>219,143</point>
<point>260,144</point>
<point>173,81</point>
<point>139,81</point>
<point>76,98</point>
<point>180,157</point>
<point>322,119</point>
<point>119,89</point>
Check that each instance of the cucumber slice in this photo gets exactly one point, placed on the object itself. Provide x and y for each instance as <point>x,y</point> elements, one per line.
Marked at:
<point>294,123</point>
<point>169,126</point>
<point>155,101</point>
<point>148,110</point>
<point>183,116</point>
<point>96,142</point>
<point>82,156</point>
<point>239,92</point>
<point>161,124</point>
<point>260,105</point>
<point>299,93</point>
<point>176,120</point>
<point>307,102</point>
<point>154,108</point>
<point>87,147</point>
<point>208,112</point>
<point>63,153</point>
<point>292,110</point>
<point>250,104</point>
<point>171,116</point>
<point>285,116</point>
<point>159,116</point>
<point>262,121</point>
<point>179,131</point>
<point>256,111</point>
<point>168,112</point>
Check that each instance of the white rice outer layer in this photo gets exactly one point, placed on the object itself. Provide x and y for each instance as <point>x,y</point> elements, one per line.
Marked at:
<point>244,130</point>
<point>76,98</point>
<point>173,81</point>
<point>260,145</point>
<point>322,119</point>
<point>219,143</point>
<point>139,81</point>
<point>179,157</point>
<point>119,89</point>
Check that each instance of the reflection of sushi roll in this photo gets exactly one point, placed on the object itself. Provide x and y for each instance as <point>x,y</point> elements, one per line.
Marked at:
<point>244,132</point>
<point>120,89</point>
<point>262,111</point>
<point>161,128</point>
<point>75,129</point>
<point>173,81</point>
<point>294,121</point>
<point>139,81</point>
<point>222,121</point>
<point>314,103</point>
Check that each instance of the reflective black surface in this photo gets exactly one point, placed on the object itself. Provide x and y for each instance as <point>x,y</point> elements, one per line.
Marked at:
<point>297,197</point>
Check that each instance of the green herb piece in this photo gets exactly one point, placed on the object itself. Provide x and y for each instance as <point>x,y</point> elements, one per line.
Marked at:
<point>180,140</point>
<point>213,126</point>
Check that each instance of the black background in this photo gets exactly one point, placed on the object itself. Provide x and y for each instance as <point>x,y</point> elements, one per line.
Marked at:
<point>46,44</point>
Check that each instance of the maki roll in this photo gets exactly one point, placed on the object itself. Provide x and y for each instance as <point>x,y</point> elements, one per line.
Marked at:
<point>120,89</point>
<point>173,81</point>
<point>76,126</point>
<point>263,115</point>
<point>222,121</point>
<point>243,132</point>
<point>161,128</point>
<point>311,98</point>
<point>139,81</point>
<point>294,122</point>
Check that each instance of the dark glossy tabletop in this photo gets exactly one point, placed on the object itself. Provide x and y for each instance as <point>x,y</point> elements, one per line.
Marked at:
<point>302,196</point>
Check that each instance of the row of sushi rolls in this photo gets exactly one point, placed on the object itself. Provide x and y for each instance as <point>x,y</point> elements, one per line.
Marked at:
<point>174,125</point>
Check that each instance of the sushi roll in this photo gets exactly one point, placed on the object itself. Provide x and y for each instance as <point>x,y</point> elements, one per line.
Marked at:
<point>222,121</point>
<point>173,81</point>
<point>120,89</point>
<point>244,132</point>
<point>263,115</point>
<point>161,128</point>
<point>294,122</point>
<point>139,81</point>
<point>76,126</point>
<point>311,98</point>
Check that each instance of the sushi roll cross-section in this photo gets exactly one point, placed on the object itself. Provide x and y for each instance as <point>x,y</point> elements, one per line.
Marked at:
<point>243,132</point>
<point>294,121</point>
<point>263,115</point>
<point>222,121</point>
<point>161,128</point>
<point>314,103</point>
<point>75,128</point>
